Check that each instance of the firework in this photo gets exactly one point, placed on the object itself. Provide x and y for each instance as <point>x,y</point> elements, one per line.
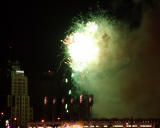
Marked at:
<point>81,46</point>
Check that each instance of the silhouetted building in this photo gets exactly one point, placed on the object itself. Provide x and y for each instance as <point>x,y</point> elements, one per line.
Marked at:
<point>19,100</point>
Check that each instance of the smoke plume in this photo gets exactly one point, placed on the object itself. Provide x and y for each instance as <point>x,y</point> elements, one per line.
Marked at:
<point>125,78</point>
<point>126,81</point>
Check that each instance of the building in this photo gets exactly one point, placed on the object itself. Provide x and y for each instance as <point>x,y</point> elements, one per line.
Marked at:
<point>19,100</point>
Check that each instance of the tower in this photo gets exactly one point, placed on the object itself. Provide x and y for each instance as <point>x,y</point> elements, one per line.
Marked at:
<point>19,100</point>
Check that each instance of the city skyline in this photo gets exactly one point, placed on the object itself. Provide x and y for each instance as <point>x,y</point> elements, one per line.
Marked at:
<point>34,33</point>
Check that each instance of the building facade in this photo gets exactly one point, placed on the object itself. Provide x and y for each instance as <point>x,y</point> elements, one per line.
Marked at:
<point>19,100</point>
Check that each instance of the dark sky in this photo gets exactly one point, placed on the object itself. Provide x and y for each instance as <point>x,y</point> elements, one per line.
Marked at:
<point>34,30</point>
<point>36,27</point>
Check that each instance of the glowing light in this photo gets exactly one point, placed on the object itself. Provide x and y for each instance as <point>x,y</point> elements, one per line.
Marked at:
<point>145,125</point>
<point>91,27</point>
<point>69,92</point>
<point>66,80</point>
<point>131,126</point>
<point>81,98</point>
<point>126,123</point>
<point>45,100</point>
<point>66,106</point>
<point>67,111</point>
<point>90,99</point>
<point>117,125</point>
<point>7,122</point>
<point>2,113</point>
<point>134,126</point>
<point>42,121</point>
<point>72,75</point>
<point>72,100</point>
<point>54,100</point>
<point>15,118</point>
<point>82,46</point>
<point>19,71</point>
<point>62,100</point>
<point>77,126</point>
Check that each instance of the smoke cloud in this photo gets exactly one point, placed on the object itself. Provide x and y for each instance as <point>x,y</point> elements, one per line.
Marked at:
<point>125,79</point>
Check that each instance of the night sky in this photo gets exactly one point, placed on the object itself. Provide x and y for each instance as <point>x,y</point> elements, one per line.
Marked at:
<point>34,30</point>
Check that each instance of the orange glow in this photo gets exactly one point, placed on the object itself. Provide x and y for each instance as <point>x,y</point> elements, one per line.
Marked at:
<point>77,124</point>
<point>42,121</point>
<point>81,98</point>
<point>45,100</point>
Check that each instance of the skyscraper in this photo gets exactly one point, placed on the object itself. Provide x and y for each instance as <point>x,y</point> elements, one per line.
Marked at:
<point>19,100</point>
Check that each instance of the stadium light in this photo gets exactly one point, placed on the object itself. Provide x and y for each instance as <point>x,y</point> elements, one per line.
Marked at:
<point>81,98</point>
<point>90,100</point>
<point>63,100</point>
<point>71,100</point>
<point>45,100</point>
<point>54,100</point>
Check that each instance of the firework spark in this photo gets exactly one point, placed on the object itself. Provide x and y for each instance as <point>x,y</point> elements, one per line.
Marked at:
<point>81,46</point>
